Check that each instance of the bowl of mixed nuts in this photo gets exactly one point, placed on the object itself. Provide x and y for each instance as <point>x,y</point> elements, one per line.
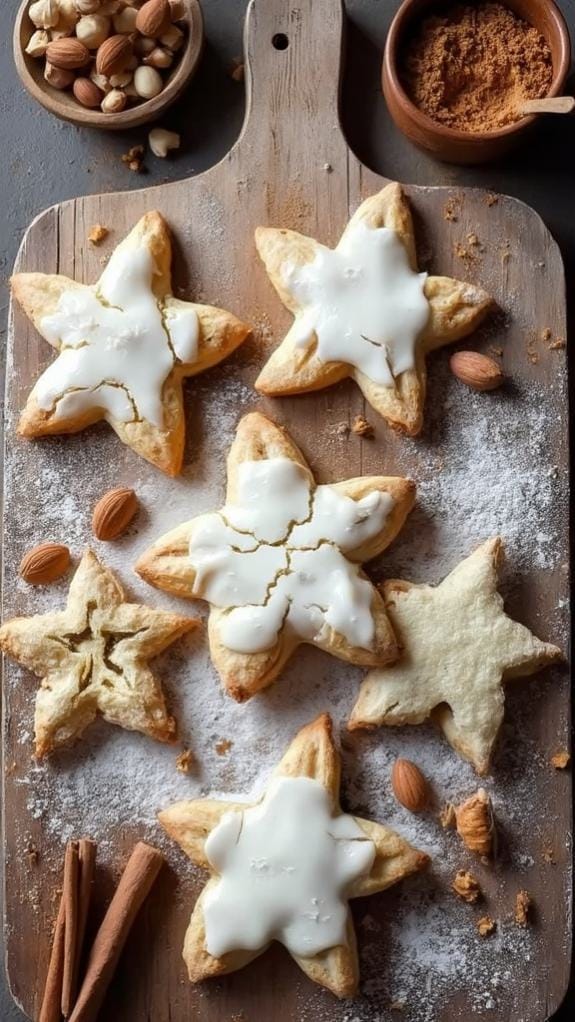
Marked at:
<point>107,63</point>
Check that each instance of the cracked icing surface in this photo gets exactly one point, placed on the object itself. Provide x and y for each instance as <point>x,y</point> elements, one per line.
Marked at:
<point>277,556</point>
<point>117,344</point>
<point>362,301</point>
<point>284,867</point>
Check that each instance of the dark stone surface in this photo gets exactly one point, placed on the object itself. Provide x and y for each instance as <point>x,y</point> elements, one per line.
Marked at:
<point>43,161</point>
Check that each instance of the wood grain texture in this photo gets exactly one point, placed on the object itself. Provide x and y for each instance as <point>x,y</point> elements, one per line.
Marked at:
<point>291,167</point>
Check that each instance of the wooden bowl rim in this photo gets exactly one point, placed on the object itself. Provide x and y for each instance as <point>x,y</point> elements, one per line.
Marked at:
<point>391,80</point>
<point>147,111</point>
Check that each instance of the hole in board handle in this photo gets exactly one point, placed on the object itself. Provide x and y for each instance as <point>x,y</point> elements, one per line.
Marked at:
<point>280,41</point>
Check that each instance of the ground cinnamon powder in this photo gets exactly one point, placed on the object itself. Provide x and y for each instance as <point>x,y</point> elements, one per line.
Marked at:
<point>469,67</point>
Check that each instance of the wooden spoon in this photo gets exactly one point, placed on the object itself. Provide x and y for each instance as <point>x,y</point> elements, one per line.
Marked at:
<point>551,105</point>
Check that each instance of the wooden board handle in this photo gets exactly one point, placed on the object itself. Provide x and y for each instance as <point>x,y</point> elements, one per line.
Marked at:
<point>293,68</point>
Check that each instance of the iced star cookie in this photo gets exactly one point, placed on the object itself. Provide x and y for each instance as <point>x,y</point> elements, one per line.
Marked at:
<point>363,310</point>
<point>93,659</point>
<point>459,647</point>
<point>124,347</point>
<point>279,564</point>
<point>284,869</point>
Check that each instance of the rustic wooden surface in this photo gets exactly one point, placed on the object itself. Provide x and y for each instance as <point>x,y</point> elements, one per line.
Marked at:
<point>277,174</point>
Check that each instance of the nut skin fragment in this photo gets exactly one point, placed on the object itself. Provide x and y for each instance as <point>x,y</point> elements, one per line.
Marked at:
<point>522,906</point>
<point>486,926</point>
<point>466,887</point>
<point>475,823</point>
<point>561,760</point>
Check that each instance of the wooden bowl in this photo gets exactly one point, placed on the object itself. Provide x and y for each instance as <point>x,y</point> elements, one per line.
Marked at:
<point>449,144</point>
<point>63,104</point>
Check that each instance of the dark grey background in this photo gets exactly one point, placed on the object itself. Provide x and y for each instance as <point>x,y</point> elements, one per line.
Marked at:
<point>43,161</point>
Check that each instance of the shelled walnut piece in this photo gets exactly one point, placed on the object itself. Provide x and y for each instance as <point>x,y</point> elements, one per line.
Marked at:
<point>475,823</point>
<point>109,53</point>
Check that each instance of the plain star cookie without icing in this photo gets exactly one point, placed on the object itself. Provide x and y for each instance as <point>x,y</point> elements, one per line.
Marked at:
<point>92,658</point>
<point>363,310</point>
<point>125,346</point>
<point>458,647</point>
<point>284,869</point>
<point>279,564</point>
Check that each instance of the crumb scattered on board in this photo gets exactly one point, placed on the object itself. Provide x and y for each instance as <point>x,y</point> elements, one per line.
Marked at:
<point>466,886</point>
<point>185,761</point>
<point>134,158</point>
<point>362,427</point>
<point>561,760</point>
<point>98,234</point>
<point>486,926</point>
<point>522,908</point>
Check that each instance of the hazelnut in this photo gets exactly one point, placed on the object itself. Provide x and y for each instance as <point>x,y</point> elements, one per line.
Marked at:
<point>144,45</point>
<point>120,81</point>
<point>93,29</point>
<point>44,14</point>
<point>87,93</point>
<point>101,81</point>
<point>148,82</point>
<point>125,21</point>
<point>114,102</point>
<point>172,38</point>
<point>38,43</point>
<point>58,77</point>
<point>159,58</point>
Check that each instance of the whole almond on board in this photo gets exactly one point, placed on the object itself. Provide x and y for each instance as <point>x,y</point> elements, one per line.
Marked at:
<point>87,93</point>
<point>67,54</point>
<point>409,785</point>
<point>475,370</point>
<point>44,563</point>
<point>113,513</point>
<point>113,55</point>
<point>153,17</point>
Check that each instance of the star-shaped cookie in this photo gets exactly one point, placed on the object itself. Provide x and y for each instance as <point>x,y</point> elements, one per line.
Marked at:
<point>124,347</point>
<point>363,310</point>
<point>459,646</point>
<point>92,658</point>
<point>279,564</point>
<point>286,868</point>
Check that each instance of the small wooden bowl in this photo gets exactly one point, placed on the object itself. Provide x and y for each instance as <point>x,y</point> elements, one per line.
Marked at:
<point>449,144</point>
<point>63,104</point>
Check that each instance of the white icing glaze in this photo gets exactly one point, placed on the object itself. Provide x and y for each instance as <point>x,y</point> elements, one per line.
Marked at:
<point>117,345</point>
<point>285,867</point>
<point>287,566</point>
<point>363,303</point>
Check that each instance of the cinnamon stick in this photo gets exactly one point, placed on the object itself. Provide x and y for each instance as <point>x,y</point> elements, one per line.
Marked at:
<point>136,882</point>
<point>50,1010</point>
<point>86,865</point>
<point>70,899</point>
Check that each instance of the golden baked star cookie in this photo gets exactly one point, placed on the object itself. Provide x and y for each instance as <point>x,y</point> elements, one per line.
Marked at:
<point>279,564</point>
<point>363,310</point>
<point>124,347</point>
<point>285,867</point>
<point>459,646</point>
<point>93,659</point>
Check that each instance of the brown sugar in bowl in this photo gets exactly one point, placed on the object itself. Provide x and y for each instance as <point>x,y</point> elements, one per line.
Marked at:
<point>62,103</point>
<point>450,144</point>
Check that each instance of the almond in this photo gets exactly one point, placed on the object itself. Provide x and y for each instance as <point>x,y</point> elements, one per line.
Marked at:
<point>113,55</point>
<point>67,54</point>
<point>409,785</point>
<point>44,563</point>
<point>153,17</point>
<point>113,513</point>
<point>475,370</point>
<point>87,93</point>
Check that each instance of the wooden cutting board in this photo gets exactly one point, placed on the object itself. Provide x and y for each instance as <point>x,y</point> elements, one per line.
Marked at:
<point>292,167</point>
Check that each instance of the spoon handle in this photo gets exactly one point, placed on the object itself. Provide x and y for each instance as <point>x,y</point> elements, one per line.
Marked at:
<point>551,105</point>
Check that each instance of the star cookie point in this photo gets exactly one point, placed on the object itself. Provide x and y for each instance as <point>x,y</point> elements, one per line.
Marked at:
<point>313,857</point>
<point>92,659</point>
<point>124,346</point>
<point>279,564</point>
<point>459,647</point>
<point>363,310</point>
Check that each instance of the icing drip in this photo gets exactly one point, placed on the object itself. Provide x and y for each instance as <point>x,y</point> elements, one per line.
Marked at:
<point>275,557</point>
<point>363,303</point>
<point>117,344</point>
<point>285,866</point>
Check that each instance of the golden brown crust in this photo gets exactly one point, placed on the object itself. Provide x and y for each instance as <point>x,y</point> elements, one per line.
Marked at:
<point>456,308</point>
<point>313,754</point>
<point>220,333</point>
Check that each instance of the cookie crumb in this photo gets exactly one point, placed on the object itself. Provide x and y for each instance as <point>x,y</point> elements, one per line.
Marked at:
<point>466,886</point>
<point>522,907</point>
<point>447,816</point>
<point>491,199</point>
<point>223,746</point>
<point>561,760</point>
<point>558,344</point>
<point>362,427</point>
<point>328,168</point>
<point>97,234</point>
<point>546,334</point>
<point>32,855</point>
<point>549,855</point>
<point>486,926</point>
<point>495,350</point>
<point>237,70</point>
<point>451,211</point>
<point>134,158</point>
<point>185,761</point>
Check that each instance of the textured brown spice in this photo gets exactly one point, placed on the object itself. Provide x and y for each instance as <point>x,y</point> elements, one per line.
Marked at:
<point>470,68</point>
